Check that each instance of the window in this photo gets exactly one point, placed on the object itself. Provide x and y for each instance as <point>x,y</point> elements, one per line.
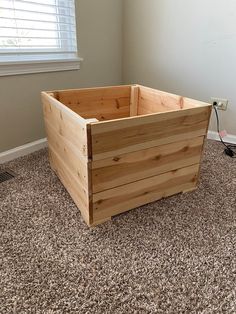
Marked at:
<point>37,33</point>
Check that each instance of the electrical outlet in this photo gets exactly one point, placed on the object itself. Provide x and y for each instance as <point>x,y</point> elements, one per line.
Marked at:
<point>221,104</point>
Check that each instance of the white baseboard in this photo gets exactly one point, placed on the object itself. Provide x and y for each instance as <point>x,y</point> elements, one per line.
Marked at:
<point>231,139</point>
<point>22,150</point>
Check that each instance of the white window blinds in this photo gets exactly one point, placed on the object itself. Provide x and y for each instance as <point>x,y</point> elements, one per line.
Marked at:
<point>33,28</point>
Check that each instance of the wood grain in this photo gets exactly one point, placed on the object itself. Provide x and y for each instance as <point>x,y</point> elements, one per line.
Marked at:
<point>71,182</point>
<point>107,92</point>
<point>134,99</point>
<point>153,101</point>
<point>114,201</point>
<point>67,135</point>
<point>127,135</point>
<point>102,109</point>
<point>130,167</point>
<point>67,123</point>
<point>105,103</point>
<point>75,161</point>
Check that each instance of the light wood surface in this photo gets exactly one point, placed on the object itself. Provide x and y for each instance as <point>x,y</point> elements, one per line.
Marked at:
<point>149,146</point>
<point>67,135</point>
<point>122,169</point>
<point>67,123</point>
<point>105,103</point>
<point>127,135</point>
<point>75,161</point>
<point>102,110</point>
<point>134,100</point>
<point>114,201</point>
<point>71,182</point>
<point>153,101</point>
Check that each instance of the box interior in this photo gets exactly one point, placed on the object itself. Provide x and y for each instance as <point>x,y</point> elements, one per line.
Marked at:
<point>109,103</point>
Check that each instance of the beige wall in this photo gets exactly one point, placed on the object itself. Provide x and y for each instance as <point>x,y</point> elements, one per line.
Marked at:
<point>100,44</point>
<point>186,47</point>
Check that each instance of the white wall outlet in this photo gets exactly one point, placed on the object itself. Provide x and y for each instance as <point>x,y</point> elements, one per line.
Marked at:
<point>221,104</point>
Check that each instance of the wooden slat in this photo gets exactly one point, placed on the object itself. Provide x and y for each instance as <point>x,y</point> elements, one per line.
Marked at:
<point>134,100</point>
<point>107,92</point>
<point>114,201</point>
<point>67,135</point>
<point>77,164</point>
<point>68,124</point>
<point>130,167</point>
<point>127,135</point>
<point>102,109</point>
<point>152,100</point>
<point>104,103</point>
<point>71,182</point>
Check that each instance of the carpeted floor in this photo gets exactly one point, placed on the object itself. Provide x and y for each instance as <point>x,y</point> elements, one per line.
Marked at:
<point>173,256</point>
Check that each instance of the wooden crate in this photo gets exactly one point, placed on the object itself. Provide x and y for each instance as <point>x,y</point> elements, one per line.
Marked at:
<point>117,148</point>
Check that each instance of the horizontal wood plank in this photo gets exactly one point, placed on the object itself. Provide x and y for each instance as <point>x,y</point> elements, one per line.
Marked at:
<point>71,182</point>
<point>68,124</point>
<point>74,160</point>
<point>152,100</point>
<point>127,135</point>
<point>102,109</point>
<point>114,201</point>
<point>130,167</point>
<point>104,103</point>
<point>104,93</point>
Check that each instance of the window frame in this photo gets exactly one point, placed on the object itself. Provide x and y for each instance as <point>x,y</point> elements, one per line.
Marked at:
<point>24,63</point>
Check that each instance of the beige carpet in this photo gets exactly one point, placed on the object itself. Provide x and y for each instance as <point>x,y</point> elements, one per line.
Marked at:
<point>177,255</point>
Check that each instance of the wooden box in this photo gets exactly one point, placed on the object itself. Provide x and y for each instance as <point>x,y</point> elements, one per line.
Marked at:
<point>116,148</point>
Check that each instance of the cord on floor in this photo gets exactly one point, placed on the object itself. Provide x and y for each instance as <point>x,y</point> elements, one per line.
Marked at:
<point>230,149</point>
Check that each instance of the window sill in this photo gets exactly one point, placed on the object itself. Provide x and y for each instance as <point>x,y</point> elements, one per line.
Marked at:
<point>38,66</point>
